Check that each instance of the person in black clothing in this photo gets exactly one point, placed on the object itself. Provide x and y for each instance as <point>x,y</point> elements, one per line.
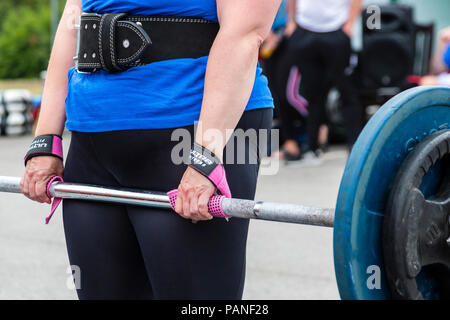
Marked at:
<point>320,47</point>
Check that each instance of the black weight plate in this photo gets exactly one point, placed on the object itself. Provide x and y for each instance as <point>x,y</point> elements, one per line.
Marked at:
<point>416,224</point>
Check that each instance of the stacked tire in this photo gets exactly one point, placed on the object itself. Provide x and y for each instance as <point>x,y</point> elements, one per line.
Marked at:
<point>15,112</point>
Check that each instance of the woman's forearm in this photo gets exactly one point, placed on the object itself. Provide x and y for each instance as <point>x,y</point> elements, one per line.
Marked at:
<point>52,114</point>
<point>231,69</point>
<point>229,80</point>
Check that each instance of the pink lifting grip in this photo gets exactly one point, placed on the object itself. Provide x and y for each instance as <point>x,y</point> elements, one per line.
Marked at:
<point>56,201</point>
<point>214,204</point>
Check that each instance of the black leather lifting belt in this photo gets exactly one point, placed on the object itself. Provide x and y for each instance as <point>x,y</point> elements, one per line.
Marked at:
<point>117,42</point>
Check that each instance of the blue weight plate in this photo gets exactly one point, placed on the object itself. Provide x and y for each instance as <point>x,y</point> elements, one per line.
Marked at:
<point>388,137</point>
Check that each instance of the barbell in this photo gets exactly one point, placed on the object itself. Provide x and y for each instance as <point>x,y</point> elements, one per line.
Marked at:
<point>393,207</point>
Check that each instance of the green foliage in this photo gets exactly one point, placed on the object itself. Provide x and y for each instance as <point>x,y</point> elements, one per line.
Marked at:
<point>25,42</point>
<point>8,5</point>
<point>25,37</point>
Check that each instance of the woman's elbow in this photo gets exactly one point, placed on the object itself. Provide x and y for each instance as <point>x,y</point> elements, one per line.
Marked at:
<point>253,36</point>
<point>260,34</point>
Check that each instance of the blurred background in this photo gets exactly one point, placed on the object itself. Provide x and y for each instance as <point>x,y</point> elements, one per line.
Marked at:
<point>407,48</point>
<point>284,261</point>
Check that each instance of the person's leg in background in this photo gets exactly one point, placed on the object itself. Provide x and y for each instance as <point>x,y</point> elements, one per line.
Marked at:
<point>271,67</point>
<point>294,106</point>
<point>340,73</point>
<point>314,88</point>
<point>324,128</point>
<point>353,112</point>
<point>323,137</point>
<point>290,117</point>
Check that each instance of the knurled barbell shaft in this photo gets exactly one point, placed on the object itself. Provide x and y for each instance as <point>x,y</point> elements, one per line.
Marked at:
<point>271,211</point>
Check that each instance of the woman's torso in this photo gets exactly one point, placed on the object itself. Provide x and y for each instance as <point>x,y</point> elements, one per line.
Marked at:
<point>165,94</point>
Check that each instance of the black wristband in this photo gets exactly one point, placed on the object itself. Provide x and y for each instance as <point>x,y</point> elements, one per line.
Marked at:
<point>45,145</point>
<point>202,159</point>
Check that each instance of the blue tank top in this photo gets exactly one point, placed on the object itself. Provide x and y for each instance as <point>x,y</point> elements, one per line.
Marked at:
<point>164,94</point>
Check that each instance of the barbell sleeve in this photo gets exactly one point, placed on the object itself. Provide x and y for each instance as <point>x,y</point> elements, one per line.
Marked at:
<point>239,208</point>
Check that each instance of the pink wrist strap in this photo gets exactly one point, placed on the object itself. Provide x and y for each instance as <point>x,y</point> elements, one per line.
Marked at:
<point>205,162</point>
<point>214,204</point>
<point>56,201</point>
<point>219,178</point>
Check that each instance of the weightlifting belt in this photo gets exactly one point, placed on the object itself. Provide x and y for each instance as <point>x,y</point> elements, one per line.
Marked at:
<point>116,42</point>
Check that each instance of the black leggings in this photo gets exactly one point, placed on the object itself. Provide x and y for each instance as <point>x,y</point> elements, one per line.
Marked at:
<point>271,68</point>
<point>322,60</point>
<point>130,252</point>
